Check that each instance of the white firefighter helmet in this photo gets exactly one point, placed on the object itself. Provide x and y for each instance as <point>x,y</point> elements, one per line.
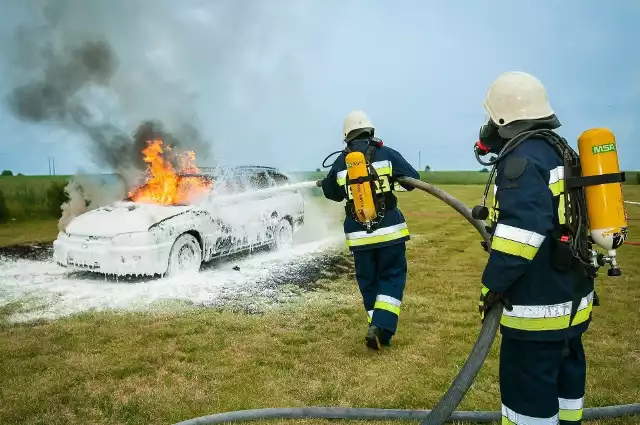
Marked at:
<point>356,120</point>
<point>515,96</point>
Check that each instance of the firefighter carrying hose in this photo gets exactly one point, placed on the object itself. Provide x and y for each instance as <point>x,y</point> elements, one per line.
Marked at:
<point>547,292</point>
<point>376,232</point>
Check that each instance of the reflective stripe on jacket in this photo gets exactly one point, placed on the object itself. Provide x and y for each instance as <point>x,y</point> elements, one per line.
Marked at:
<point>527,206</point>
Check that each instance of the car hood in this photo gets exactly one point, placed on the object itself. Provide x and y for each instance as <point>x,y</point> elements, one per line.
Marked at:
<point>124,217</point>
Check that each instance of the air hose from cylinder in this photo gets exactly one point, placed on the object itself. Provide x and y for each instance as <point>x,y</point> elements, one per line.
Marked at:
<point>444,411</point>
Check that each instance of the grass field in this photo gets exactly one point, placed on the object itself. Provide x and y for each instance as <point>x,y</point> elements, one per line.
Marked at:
<point>39,197</point>
<point>163,368</point>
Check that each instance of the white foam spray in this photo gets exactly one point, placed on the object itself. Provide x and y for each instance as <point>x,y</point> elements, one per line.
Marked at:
<point>216,197</point>
<point>48,291</point>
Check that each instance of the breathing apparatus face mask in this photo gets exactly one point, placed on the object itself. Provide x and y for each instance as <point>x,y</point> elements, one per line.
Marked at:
<point>489,141</point>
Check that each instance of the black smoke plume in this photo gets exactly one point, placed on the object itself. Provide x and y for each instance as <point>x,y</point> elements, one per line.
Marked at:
<point>51,97</point>
<point>62,67</point>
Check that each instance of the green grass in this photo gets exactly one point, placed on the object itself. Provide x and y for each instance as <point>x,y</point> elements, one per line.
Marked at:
<point>450,177</point>
<point>22,232</point>
<point>162,368</point>
<point>26,197</point>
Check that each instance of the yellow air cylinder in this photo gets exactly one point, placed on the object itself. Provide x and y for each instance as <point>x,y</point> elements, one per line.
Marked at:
<point>605,202</point>
<point>361,192</point>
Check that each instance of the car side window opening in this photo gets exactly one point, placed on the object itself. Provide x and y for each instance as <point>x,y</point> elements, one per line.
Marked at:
<point>228,185</point>
<point>259,181</point>
<point>279,179</point>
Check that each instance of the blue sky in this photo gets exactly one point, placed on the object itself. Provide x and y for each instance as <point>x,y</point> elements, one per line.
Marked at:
<point>274,79</point>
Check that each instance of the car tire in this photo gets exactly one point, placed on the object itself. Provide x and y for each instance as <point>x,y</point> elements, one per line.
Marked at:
<point>282,236</point>
<point>185,255</point>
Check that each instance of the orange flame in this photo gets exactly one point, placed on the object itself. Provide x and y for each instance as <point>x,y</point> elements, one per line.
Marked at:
<point>164,185</point>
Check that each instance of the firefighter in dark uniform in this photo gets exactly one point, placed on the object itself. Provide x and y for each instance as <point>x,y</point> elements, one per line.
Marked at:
<point>379,255</point>
<point>542,360</point>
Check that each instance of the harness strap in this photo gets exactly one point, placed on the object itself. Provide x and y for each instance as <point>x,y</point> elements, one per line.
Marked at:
<point>359,180</point>
<point>575,182</point>
<point>379,199</point>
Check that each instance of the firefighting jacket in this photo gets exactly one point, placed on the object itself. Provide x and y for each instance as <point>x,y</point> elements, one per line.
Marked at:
<point>389,165</point>
<point>527,207</point>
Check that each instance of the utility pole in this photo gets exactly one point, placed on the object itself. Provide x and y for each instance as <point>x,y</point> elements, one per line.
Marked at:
<point>419,161</point>
<point>52,165</point>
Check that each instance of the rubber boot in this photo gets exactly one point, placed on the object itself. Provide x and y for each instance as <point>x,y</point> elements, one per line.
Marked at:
<point>372,339</point>
<point>385,338</point>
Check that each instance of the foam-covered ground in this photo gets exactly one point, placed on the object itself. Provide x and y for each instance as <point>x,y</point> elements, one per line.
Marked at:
<point>37,288</point>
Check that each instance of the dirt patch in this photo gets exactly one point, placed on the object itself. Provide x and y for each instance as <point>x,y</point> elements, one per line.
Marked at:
<point>325,266</point>
<point>251,282</point>
<point>310,275</point>
<point>33,252</point>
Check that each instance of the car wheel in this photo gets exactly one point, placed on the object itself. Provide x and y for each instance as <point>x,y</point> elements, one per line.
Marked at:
<point>185,255</point>
<point>283,236</point>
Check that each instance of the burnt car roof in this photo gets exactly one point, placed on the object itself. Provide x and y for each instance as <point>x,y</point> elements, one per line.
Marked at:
<point>240,171</point>
<point>238,168</point>
<point>255,176</point>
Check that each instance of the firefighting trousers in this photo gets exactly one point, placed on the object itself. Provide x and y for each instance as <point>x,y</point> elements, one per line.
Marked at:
<point>381,274</point>
<point>540,385</point>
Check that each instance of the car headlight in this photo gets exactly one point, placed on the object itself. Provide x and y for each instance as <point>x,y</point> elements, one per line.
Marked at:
<point>135,239</point>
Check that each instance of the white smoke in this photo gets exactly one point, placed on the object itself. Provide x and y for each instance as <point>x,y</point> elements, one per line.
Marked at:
<point>87,192</point>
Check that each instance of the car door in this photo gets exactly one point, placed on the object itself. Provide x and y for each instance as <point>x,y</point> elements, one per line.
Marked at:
<point>261,207</point>
<point>288,202</point>
<point>231,213</point>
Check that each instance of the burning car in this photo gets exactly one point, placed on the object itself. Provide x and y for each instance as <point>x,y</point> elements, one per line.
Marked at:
<point>177,220</point>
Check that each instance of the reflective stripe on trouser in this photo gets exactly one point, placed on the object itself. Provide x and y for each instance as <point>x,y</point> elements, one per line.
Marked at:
<point>571,409</point>
<point>571,384</point>
<point>381,274</point>
<point>546,317</point>
<point>511,417</point>
<point>383,234</point>
<point>515,241</point>
<point>538,385</point>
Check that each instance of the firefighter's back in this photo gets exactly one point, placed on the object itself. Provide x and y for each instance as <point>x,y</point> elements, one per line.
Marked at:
<point>392,228</point>
<point>544,292</point>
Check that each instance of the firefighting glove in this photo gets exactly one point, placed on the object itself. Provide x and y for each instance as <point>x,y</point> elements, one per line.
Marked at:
<point>488,299</point>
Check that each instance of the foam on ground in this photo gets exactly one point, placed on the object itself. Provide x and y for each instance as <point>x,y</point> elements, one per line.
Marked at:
<point>47,291</point>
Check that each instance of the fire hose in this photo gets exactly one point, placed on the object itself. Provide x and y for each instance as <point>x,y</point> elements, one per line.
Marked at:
<point>444,409</point>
